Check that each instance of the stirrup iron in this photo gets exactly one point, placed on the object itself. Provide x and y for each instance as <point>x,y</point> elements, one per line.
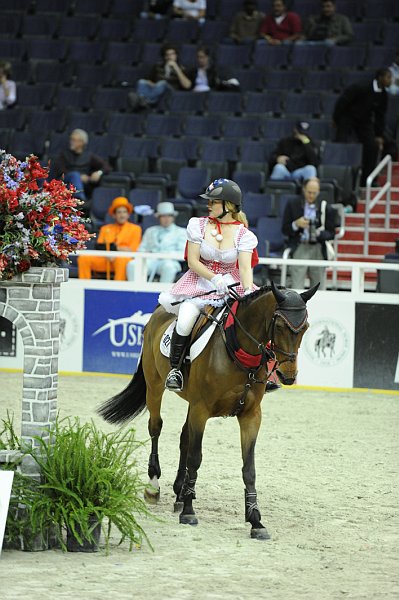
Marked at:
<point>174,380</point>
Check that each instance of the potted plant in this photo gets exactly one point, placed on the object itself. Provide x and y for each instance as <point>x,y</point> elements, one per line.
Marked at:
<point>40,223</point>
<point>89,484</point>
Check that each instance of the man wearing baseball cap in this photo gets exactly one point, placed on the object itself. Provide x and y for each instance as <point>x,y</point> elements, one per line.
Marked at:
<point>121,235</point>
<point>165,237</point>
<point>295,157</point>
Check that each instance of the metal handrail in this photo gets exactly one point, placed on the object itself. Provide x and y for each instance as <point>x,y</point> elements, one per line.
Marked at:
<point>386,161</point>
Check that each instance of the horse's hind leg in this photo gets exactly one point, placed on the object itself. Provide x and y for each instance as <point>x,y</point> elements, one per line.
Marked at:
<point>249,427</point>
<point>154,397</point>
<point>181,471</point>
<point>197,419</point>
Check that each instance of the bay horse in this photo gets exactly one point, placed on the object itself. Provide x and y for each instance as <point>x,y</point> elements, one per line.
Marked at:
<point>228,378</point>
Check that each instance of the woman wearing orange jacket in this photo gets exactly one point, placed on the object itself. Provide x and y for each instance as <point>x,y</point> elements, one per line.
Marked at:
<point>124,235</point>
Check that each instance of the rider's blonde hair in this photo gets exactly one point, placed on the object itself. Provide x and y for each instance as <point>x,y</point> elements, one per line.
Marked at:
<point>237,215</point>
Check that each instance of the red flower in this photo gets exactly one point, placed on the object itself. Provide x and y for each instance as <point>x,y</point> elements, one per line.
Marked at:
<point>23,266</point>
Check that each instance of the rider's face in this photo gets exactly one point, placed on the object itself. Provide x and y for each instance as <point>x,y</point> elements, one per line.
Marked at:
<point>215,208</point>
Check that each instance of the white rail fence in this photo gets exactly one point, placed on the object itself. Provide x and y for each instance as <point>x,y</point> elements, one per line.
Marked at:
<point>358,270</point>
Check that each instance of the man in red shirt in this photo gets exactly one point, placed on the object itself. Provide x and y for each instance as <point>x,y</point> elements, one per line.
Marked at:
<point>281,25</point>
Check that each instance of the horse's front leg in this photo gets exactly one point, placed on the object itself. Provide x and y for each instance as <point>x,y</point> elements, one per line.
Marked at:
<point>249,428</point>
<point>197,419</point>
<point>181,472</point>
<point>152,491</point>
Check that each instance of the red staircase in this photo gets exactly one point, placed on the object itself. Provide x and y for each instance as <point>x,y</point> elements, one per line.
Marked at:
<point>381,240</point>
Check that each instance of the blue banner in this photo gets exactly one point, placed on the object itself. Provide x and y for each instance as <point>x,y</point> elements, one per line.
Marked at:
<point>113,329</point>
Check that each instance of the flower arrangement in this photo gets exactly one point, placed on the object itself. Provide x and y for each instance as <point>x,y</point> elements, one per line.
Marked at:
<point>40,222</point>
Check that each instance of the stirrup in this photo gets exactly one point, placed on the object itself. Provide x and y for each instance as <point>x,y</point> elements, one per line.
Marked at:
<point>174,381</point>
<point>271,386</point>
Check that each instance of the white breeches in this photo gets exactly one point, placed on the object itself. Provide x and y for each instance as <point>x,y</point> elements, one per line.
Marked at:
<point>188,314</point>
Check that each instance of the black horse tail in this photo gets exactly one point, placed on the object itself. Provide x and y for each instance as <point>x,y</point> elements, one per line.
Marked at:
<point>127,404</point>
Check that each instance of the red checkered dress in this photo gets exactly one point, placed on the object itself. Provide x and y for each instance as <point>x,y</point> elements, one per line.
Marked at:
<point>217,261</point>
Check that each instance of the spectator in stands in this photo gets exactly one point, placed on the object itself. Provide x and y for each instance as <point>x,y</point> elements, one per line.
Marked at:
<point>80,167</point>
<point>165,75</point>
<point>165,237</point>
<point>394,68</point>
<point>359,115</point>
<point>157,9</point>
<point>301,225</point>
<point>281,26</point>
<point>246,23</point>
<point>329,27</point>
<point>8,88</point>
<point>204,76</point>
<point>296,156</point>
<point>122,236</point>
<point>190,9</point>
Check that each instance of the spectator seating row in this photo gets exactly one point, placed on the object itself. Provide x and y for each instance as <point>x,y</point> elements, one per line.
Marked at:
<point>222,9</point>
<point>92,27</point>
<point>46,96</point>
<point>260,55</point>
<point>119,75</point>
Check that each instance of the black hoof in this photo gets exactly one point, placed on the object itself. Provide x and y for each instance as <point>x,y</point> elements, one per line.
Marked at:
<point>188,519</point>
<point>260,534</point>
<point>151,496</point>
<point>178,507</point>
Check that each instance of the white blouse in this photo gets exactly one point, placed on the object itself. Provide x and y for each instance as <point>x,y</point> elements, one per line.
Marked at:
<point>243,242</point>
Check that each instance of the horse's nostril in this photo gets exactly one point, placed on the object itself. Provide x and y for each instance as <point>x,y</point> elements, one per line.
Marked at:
<point>284,379</point>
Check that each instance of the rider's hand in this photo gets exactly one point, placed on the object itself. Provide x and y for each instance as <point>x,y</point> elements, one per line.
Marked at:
<point>220,284</point>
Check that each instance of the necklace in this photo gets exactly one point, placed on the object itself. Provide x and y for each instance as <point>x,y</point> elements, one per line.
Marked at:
<point>217,233</point>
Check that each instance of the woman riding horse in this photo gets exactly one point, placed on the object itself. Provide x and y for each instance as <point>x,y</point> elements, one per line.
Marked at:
<point>221,251</point>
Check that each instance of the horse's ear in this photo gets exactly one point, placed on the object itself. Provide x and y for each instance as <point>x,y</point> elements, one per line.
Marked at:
<point>279,296</point>
<point>309,293</point>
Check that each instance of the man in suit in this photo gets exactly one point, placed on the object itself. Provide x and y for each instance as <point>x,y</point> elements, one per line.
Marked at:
<point>302,225</point>
<point>359,114</point>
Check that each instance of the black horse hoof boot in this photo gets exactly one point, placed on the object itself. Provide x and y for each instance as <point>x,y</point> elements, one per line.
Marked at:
<point>174,381</point>
<point>271,386</point>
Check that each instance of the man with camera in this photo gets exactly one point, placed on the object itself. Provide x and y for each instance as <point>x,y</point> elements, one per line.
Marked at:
<point>307,230</point>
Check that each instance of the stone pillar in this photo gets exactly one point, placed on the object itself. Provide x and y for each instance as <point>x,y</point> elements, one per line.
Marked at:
<point>31,301</point>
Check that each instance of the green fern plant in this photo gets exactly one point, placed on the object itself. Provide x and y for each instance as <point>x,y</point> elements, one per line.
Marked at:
<point>88,477</point>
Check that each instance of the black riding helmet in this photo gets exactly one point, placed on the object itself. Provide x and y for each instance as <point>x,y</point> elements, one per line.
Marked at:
<point>226,191</point>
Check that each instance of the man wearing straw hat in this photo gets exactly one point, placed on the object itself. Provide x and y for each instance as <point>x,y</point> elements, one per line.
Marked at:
<point>165,237</point>
<point>122,236</point>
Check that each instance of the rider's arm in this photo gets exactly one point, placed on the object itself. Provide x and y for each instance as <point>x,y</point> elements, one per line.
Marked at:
<point>244,265</point>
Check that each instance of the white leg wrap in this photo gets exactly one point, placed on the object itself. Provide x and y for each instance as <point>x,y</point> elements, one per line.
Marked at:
<point>188,314</point>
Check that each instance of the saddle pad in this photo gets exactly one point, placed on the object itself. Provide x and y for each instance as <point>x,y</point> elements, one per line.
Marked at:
<point>199,344</point>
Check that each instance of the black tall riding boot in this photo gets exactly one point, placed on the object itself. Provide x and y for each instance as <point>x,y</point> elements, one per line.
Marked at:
<point>174,379</point>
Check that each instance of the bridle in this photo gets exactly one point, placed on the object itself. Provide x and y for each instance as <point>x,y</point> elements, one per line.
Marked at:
<point>278,313</point>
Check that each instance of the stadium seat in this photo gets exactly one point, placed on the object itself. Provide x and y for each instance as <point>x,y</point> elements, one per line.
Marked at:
<point>256,205</point>
<point>151,197</point>
<point>224,102</point>
<point>39,96</point>
<point>330,80</point>
<point>68,97</point>
<point>192,181</point>
<point>85,51</point>
<point>270,236</point>
<point>342,154</point>
<point>348,57</point>
<point>187,102</point>
<point>106,146</point>
<point>229,55</point>
<point>12,49</point>
<point>41,49</point>
<point>250,181</point>
<point>149,29</point>
<point>93,75</point>
<point>208,126</point>
<point>114,30</point>
<point>241,127</point>
<point>47,121</point>
<point>24,143</point>
<point>212,31</point>
<point>271,57</point>
<point>251,80</point>
<point>263,103</point>
<point>13,119</point>
<point>151,53</point>
<point>182,31</point>
<point>93,121</point>
<point>54,6</point>
<point>125,124</point>
<point>44,25</point>
<point>163,125</point>
<point>308,56</point>
<point>53,72</point>
<point>83,27</point>
<point>111,99</point>
<point>101,201</point>
<point>367,32</point>
<point>123,53</point>
<point>284,80</point>
<point>91,7</point>
<point>375,9</point>
<point>306,103</point>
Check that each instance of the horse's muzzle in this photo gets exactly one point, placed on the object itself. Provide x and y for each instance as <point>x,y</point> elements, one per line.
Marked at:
<point>284,379</point>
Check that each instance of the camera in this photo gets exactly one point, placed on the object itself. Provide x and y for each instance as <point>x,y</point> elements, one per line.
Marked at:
<point>312,232</point>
